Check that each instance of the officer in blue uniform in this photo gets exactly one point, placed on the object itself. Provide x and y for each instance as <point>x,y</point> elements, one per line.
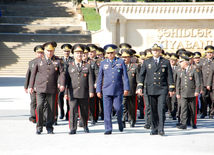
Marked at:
<point>113,82</point>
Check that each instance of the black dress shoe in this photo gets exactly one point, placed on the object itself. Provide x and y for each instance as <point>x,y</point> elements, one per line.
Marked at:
<point>182,127</point>
<point>161,133</point>
<point>194,126</point>
<point>86,130</point>
<point>38,132</point>
<point>50,132</point>
<point>211,117</point>
<point>124,124</point>
<point>146,126</point>
<point>107,132</point>
<point>132,124</point>
<point>178,124</point>
<point>32,119</point>
<point>61,117</point>
<point>121,127</point>
<point>141,117</point>
<point>174,118</point>
<point>154,133</point>
<point>72,132</point>
<point>202,116</point>
<point>93,122</point>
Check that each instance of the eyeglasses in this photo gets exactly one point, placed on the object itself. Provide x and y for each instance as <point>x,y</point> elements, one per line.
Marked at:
<point>110,52</point>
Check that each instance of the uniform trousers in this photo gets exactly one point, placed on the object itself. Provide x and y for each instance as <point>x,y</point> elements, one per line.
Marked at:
<point>129,108</point>
<point>212,103</point>
<point>100,110</point>
<point>172,105</point>
<point>147,110</point>
<point>116,102</point>
<point>33,105</point>
<point>51,104</point>
<point>157,104</point>
<point>141,105</point>
<point>73,105</point>
<point>188,103</point>
<point>206,100</point>
<point>61,104</point>
<point>92,108</point>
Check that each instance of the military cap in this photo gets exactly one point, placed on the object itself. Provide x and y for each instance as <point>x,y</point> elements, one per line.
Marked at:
<point>184,56</point>
<point>66,47</point>
<point>78,48</point>
<point>174,56</point>
<point>180,50</point>
<point>137,55</point>
<point>209,49</point>
<point>167,55</point>
<point>143,55</point>
<point>51,45</point>
<point>126,52</point>
<point>125,46</point>
<point>38,48</point>
<point>100,50</point>
<point>157,46</point>
<point>191,54</point>
<point>197,55</point>
<point>110,48</point>
<point>148,53</point>
<point>92,47</point>
<point>133,51</point>
<point>86,49</point>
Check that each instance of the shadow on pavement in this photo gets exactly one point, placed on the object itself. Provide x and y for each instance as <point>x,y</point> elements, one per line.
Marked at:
<point>12,81</point>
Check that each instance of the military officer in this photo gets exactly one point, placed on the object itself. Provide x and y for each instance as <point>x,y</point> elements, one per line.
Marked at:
<point>172,101</point>
<point>100,53</point>
<point>128,46</point>
<point>66,60</point>
<point>92,61</point>
<point>79,87</point>
<point>129,101</point>
<point>206,67</point>
<point>39,50</point>
<point>159,80</point>
<point>113,82</point>
<point>187,89</point>
<point>45,74</point>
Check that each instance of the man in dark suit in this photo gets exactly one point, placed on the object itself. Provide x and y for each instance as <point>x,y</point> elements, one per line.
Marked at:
<point>45,74</point>
<point>187,89</point>
<point>129,101</point>
<point>159,82</point>
<point>79,88</point>
<point>113,82</point>
<point>66,60</point>
<point>39,50</point>
<point>206,68</point>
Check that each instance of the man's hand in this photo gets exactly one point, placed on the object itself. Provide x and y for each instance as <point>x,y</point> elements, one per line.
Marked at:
<point>178,96</point>
<point>58,85</point>
<point>91,95</point>
<point>26,91</point>
<point>31,90</point>
<point>99,95</point>
<point>66,97</point>
<point>62,88</point>
<point>208,87</point>
<point>196,94</point>
<point>139,91</point>
<point>171,93</point>
<point>201,91</point>
<point>126,92</point>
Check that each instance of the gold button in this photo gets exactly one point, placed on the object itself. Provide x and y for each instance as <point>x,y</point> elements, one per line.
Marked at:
<point>185,86</point>
<point>154,82</point>
<point>78,73</point>
<point>159,82</point>
<point>78,78</point>
<point>154,77</point>
<point>159,78</point>
<point>112,72</point>
<point>159,73</point>
<point>112,81</point>
<point>112,76</point>
<point>154,72</point>
<point>47,75</point>
<point>47,81</point>
<point>48,70</point>
<point>78,82</point>
<point>78,87</point>
<point>185,83</point>
<point>112,68</point>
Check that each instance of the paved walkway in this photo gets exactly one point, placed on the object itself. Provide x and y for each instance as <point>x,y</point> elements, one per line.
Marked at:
<point>17,134</point>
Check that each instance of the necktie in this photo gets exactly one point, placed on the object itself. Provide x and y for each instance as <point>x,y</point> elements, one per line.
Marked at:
<point>49,61</point>
<point>66,60</point>
<point>185,71</point>
<point>111,62</point>
<point>78,66</point>
<point>156,62</point>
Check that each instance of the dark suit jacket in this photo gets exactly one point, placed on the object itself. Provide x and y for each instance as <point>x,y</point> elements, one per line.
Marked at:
<point>28,74</point>
<point>47,75</point>
<point>79,83</point>
<point>159,79</point>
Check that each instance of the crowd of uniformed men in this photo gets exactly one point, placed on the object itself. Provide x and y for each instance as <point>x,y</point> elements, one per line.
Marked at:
<point>101,82</point>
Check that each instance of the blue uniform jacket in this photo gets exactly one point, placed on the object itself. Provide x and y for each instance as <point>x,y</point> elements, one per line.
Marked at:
<point>112,79</point>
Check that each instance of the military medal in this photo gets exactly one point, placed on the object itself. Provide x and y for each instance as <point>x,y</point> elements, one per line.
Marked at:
<point>106,66</point>
<point>72,70</point>
<point>149,66</point>
<point>163,70</point>
<point>40,63</point>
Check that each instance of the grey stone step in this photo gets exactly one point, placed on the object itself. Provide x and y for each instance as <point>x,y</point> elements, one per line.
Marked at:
<point>40,20</point>
<point>36,28</point>
<point>27,37</point>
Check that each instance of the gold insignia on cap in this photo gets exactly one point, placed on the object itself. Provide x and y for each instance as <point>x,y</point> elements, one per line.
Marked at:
<point>197,55</point>
<point>156,47</point>
<point>66,47</point>
<point>92,49</point>
<point>110,49</point>
<point>86,51</point>
<point>209,50</point>
<point>124,47</point>
<point>149,55</point>
<point>143,57</point>
<point>78,48</point>
<point>125,54</point>
<point>49,47</point>
<point>40,50</point>
<point>98,52</point>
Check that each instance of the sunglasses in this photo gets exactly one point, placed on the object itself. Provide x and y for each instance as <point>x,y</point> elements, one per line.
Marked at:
<point>110,52</point>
